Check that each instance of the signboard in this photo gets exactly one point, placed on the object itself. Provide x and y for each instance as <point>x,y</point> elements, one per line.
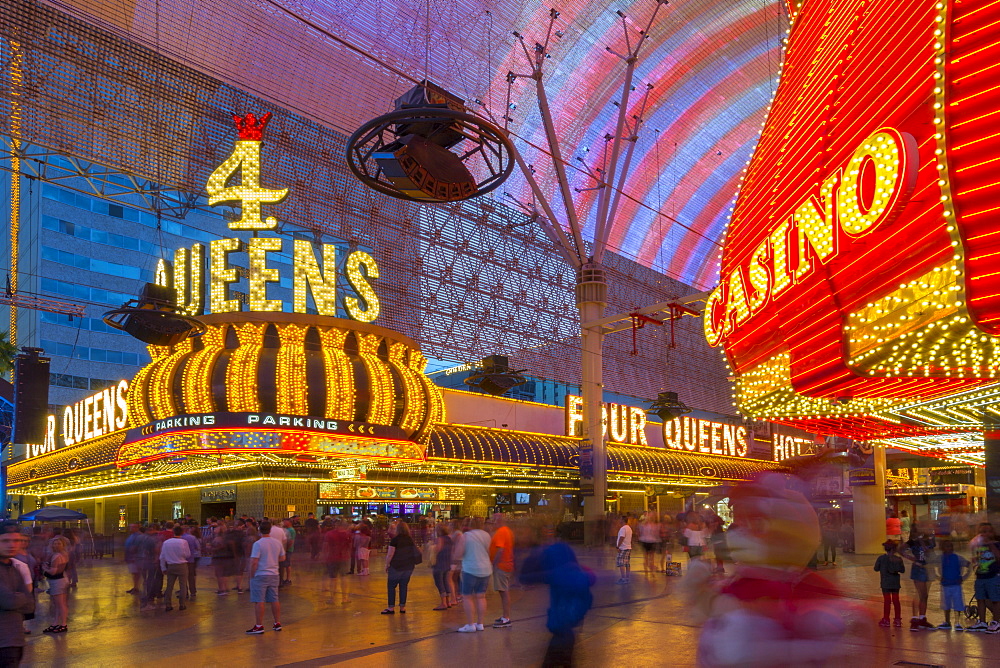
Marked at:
<point>791,446</point>
<point>705,436</point>
<point>861,460</point>
<point>586,467</point>
<point>622,424</point>
<point>388,492</point>
<point>859,264</point>
<point>219,494</point>
<point>263,421</point>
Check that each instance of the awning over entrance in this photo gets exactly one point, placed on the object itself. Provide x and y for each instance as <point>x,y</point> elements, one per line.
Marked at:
<point>460,443</point>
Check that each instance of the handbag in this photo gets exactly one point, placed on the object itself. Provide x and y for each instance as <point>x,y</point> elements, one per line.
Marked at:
<point>418,557</point>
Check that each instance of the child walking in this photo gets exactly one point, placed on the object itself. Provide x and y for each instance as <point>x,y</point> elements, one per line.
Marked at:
<point>889,566</point>
<point>953,569</point>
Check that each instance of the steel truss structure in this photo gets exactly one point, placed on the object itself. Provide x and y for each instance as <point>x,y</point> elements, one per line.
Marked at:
<point>465,280</point>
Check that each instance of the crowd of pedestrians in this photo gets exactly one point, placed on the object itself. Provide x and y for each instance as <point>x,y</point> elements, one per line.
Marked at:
<point>928,559</point>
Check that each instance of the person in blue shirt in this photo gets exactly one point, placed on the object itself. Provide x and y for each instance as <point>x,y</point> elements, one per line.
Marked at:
<point>953,569</point>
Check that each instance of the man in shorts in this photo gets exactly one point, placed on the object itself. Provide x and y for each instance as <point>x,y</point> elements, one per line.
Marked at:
<point>265,556</point>
<point>502,557</point>
<point>624,545</point>
<point>986,563</point>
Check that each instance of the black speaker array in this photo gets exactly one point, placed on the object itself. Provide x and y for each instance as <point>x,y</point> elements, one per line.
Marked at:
<point>31,397</point>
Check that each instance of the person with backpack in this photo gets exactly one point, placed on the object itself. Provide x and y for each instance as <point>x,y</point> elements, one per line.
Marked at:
<point>570,597</point>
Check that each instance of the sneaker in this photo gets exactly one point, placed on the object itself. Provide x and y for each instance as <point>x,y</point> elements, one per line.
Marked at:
<point>468,628</point>
<point>182,607</point>
<point>502,623</point>
<point>915,624</point>
<point>884,623</point>
<point>993,626</point>
<point>944,627</point>
<point>930,627</point>
<point>978,626</point>
<point>168,608</point>
<point>222,593</point>
<point>480,627</point>
<point>255,631</point>
<point>276,627</point>
<point>959,627</point>
<point>898,623</point>
<point>621,581</point>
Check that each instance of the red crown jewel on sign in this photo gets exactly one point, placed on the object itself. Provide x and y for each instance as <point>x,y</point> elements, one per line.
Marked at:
<point>250,127</point>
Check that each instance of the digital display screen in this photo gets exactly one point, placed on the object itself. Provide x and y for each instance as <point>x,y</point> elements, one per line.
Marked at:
<point>503,499</point>
<point>522,497</point>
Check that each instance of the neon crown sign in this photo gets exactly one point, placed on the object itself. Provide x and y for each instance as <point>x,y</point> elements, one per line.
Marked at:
<point>311,277</point>
<point>859,267</point>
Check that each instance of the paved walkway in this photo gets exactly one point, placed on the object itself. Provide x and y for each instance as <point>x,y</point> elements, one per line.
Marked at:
<point>640,624</point>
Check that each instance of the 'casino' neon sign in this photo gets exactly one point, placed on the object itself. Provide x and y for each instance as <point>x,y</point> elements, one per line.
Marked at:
<point>853,201</point>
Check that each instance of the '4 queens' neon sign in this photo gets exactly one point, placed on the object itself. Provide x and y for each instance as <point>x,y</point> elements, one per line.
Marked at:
<point>202,276</point>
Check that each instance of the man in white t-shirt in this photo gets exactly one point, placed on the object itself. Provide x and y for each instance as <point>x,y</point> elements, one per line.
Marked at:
<point>265,556</point>
<point>624,550</point>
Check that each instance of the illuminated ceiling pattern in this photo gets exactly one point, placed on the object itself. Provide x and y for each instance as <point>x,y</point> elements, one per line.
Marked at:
<point>712,67</point>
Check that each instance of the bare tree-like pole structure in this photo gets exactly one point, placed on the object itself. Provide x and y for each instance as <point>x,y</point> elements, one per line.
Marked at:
<point>591,282</point>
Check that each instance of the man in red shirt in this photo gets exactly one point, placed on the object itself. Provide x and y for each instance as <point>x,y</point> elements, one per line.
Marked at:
<point>502,556</point>
<point>337,548</point>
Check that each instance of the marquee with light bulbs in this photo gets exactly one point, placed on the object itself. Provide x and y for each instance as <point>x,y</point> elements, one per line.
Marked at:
<point>859,269</point>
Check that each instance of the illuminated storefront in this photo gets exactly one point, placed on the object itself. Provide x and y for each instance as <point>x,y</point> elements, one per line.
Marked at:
<point>858,292</point>
<point>281,407</point>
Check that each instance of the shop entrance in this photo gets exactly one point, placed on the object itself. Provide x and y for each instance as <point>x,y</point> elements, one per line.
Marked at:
<point>218,510</point>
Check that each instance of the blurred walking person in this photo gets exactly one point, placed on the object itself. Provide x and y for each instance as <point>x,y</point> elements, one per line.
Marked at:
<point>457,554</point>
<point>649,538</point>
<point>223,559</point>
<point>16,600</point>
<point>569,597</point>
<point>442,568</point>
<point>134,569</point>
<point>191,536</point>
<point>337,555</point>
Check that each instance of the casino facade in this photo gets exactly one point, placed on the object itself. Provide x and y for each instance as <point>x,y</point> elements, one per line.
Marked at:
<point>284,407</point>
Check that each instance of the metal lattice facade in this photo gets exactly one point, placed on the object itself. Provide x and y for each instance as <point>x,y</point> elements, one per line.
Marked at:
<point>464,280</point>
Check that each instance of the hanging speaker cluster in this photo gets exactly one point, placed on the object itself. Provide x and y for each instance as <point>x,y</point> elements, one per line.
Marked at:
<point>430,149</point>
<point>31,396</point>
<point>153,318</point>
<point>495,376</point>
<point>667,406</point>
